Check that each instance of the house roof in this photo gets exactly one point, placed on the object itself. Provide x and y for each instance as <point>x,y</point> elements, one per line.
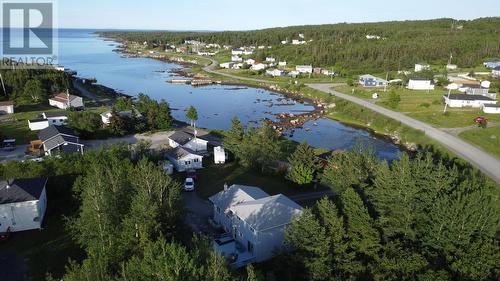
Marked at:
<point>63,97</point>
<point>181,137</point>
<point>268,212</point>
<point>179,153</point>
<point>469,97</point>
<point>59,140</point>
<point>21,190</point>
<point>52,114</point>
<point>497,68</point>
<point>53,131</point>
<point>492,105</point>
<point>237,194</point>
<point>6,103</point>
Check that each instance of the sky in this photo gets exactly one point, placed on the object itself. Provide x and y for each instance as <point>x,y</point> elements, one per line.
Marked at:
<point>257,14</point>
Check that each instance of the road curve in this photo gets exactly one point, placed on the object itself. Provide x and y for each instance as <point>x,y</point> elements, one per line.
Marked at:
<point>490,165</point>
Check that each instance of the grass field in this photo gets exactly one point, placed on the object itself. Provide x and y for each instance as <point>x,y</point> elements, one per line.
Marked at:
<point>488,139</point>
<point>423,105</point>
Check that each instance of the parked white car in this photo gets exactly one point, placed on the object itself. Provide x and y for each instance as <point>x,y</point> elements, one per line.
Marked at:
<point>189,184</point>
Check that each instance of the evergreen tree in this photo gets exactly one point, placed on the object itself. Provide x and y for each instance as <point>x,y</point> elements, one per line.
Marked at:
<point>311,245</point>
<point>234,137</point>
<point>363,237</point>
<point>304,165</point>
<point>117,124</point>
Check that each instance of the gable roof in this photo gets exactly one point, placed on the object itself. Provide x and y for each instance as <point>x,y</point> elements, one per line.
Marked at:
<point>52,114</point>
<point>179,153</point>
<point>53,131</point>
<point>63,97</point>
<point>237,194</point>
<point>269,212</point>
<point>21,190</point>
<point>469,97</point>
<point>181,137</point>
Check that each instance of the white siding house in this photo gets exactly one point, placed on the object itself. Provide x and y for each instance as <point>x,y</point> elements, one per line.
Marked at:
<point>59,139</point>
<point>189,141</point>
<point>254,221</point>
<point>491,108</point>
<point>47,119</point>
<point>422,67</point>
<point>6,107</point>
<point>420,84</point>
<point>66,101</point>
<point>275,72</point>
<point>38,124</point>
<point>258,66</point>
<point>304,68</point>
<point>462,100</point>
<point>22,204</point>
<point>227,65</point>
<point>184,159</point>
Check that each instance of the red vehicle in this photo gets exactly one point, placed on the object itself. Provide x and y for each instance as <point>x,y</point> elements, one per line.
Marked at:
<point>481,121</point>
<point>4,236</point>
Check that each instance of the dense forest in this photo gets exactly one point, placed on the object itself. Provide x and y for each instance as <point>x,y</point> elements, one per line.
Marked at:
<point>346,47</point>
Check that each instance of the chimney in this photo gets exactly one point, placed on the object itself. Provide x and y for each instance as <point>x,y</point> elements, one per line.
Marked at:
<point>226,187</point>
<point>9,183</point>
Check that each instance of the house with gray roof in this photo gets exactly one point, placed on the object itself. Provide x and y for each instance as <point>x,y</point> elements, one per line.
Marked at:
<point>188,140</point>
<point>22,204</point>
<point>254,223</point>
<point>184,159</point>
<point>60,139</point>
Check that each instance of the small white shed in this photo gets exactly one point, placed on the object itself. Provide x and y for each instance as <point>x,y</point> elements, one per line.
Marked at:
<point>220,156</point>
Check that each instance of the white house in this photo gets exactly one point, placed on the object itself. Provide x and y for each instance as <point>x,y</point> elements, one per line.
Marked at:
<point>328,72</point>
<point>66,101</point>
<point>254,221</point>
<point>422,67</point>
<point>6,107</point>
<point>184,159</point>
<point>236,58</point>
<point>372,81</point>
<point>275,72</point>
<point>22,204</point>
<point>304,68</point>
<point>463,100</point>
<point>258,66</point>
<point>238,66</point>
<point>491,108</point>
<point>495,72</point>
<point>227,65</point>
<point>106,116</point>
<point>60,139</point>
<point>270,59</point>
<point>189,141</point>
<point>451,66</point>
<point>47,119</point>
<point>298,42</point>
<point>420,84</point>
<point>237,52</point>
<point>282,63</point>
<point>250,61</point>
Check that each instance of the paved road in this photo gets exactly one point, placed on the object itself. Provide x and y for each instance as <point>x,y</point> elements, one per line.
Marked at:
<point>485,162</point>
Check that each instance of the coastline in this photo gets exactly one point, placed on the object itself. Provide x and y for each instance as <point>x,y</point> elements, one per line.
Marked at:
<point>318,104</point>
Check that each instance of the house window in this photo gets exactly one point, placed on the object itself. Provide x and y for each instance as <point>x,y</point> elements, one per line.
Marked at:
<point>36,219</point>
<point>196,160</point>
<point>187,163</point>
<point>53,121</point>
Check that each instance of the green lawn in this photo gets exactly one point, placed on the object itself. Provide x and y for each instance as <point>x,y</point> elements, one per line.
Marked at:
<point>426,106</point>
<point>488,139</point>
<point>19,128</point>
<point>211,180</point>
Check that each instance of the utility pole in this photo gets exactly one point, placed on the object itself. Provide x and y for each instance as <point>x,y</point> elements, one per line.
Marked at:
<point>3,85</point>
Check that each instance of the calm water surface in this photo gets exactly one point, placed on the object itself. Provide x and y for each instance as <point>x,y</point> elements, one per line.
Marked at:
<point>92,56</point>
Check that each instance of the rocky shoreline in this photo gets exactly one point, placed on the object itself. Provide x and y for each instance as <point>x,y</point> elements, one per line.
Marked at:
<point>285,121</point>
